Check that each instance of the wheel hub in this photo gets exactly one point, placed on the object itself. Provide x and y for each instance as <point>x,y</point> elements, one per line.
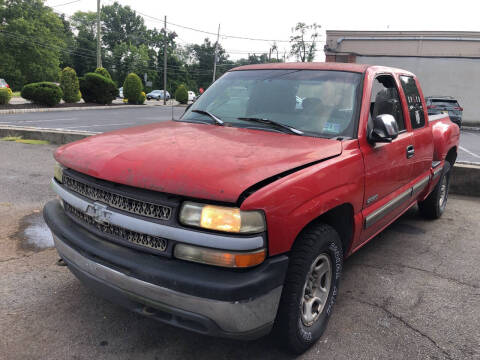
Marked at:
<point>316,289</point>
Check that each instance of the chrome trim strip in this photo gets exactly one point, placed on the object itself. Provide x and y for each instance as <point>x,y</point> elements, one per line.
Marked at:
<point>238,316</point>
<point>435,164</point>
<point>217,241</point>
<point>419,186</point>
<point>437,172</point>
<point>387,208</point>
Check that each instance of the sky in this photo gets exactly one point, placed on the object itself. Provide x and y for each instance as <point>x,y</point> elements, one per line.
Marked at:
<point>274,20</point>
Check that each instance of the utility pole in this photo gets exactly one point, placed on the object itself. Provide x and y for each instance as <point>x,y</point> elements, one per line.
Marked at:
<point>99,45</point>
<point>215,56</point>
<point>165,62</point>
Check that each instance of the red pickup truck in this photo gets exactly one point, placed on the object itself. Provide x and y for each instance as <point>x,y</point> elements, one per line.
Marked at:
<point>236,219</point>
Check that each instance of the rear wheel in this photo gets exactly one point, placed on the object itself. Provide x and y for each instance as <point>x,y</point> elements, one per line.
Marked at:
<point>434,205</point>
<point>310,289</point>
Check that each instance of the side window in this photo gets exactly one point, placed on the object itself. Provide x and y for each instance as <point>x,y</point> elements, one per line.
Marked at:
<point>414,102</point>
<point>385,100</point>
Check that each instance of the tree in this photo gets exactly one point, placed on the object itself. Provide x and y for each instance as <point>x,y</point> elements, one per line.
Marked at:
<point>31,43</point>
<point>204,54</point>
<point>121,24</point>
<point>302,48</point>
<point>85,43</point>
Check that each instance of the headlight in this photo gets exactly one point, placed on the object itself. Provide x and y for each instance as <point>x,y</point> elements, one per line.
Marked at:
<point>58,172</point>
<point>223,258</point>
<point>222,218</point>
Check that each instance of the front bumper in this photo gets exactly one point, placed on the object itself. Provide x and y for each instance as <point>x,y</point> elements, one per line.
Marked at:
<point>204,299</point>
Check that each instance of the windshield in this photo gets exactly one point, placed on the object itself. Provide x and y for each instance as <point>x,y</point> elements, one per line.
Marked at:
<point>317,102</point>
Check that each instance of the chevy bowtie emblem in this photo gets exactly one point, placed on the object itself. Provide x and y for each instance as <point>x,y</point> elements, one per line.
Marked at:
<point>99,213</point>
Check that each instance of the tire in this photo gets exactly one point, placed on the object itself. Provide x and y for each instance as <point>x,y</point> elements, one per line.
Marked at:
<point>434,205</point>
<point>302,319</point>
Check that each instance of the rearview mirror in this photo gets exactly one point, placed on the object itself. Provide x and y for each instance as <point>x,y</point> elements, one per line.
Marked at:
<point>384,130</point>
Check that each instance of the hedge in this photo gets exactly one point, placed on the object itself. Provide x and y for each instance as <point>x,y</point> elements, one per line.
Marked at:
<point>69,85</point>
<point>181,94</point>
<point>5,95</point>
<point>104,72</point>
<point>96,88</point>
<point>132,89</point>
<point>43,93</point>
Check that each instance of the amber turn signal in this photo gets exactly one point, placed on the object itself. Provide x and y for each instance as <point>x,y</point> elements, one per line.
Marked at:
<point>216,257</point>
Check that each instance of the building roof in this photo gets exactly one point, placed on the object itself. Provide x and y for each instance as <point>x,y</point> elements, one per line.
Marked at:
<point>458,44</point>
<point>360,68</point>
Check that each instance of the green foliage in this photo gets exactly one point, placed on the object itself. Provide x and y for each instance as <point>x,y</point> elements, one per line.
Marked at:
<point>132,89</point>
<point>43,93</point>
<point>181,94</point>
<point>104,72</point>
<point>142,97</point>
<point>204,55</point>
<point>69,85</point>
<point>96,88</point>
<point>302,47</point>
<point>85,44</point>
<point>121,24</point>
<point>5,95</point>
<point>31,42</point>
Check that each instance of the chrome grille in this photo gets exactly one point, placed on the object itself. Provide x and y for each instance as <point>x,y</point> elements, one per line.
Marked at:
<point>117,201</point>
<point>133,237</point>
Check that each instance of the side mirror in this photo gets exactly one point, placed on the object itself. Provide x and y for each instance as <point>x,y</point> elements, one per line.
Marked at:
<point>385,129</point>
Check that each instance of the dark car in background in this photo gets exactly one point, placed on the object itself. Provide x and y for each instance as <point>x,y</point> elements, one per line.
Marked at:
<point>445,105</point>
<point>157,95</point>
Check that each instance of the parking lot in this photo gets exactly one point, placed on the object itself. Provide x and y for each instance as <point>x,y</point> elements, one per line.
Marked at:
<point>411,293</point>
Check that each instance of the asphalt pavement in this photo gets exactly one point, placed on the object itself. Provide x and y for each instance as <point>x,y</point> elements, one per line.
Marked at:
<point>94,120</point>
<point>108,120</point>
<point>413,292</point>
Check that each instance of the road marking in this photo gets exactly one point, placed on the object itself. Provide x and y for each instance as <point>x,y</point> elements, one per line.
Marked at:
<point>106,125</point>
<point>37,121</point>
<point>469,152</point>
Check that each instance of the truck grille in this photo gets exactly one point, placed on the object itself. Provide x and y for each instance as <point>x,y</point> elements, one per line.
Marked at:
<point>118,232</point>
<point>117,201</point>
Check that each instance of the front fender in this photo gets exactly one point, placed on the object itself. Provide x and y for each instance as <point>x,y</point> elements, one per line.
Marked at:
<point>292,202</point>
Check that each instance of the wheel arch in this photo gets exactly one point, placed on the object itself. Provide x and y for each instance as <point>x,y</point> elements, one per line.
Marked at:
<point>341,218</point>
<point>451,155</point>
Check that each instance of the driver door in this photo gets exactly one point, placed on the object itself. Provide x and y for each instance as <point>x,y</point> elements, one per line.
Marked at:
<point>388,167</point>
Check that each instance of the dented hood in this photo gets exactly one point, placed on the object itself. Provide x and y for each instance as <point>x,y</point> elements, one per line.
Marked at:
<point>195,160</point>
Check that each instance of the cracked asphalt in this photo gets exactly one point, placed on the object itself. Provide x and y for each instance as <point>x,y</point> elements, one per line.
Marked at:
<point>411,293</point>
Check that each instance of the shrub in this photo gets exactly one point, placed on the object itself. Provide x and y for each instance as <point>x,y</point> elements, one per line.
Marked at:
<point>132,89</point>
<point>69,85</point>
<point>43,93</point>
<point>181,94</point>
<point>104,72</point>
<point>97,89</point>
<point>5,95</point>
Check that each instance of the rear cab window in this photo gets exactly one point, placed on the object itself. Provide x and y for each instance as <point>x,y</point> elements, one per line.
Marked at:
<point>414,102</point>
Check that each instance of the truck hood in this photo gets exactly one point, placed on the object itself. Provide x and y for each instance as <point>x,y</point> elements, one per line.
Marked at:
<point>194,160</point>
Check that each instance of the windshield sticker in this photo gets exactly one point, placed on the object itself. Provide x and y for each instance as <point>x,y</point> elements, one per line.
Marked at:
<point>331,127</point>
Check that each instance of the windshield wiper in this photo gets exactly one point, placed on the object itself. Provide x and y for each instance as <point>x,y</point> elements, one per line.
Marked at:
<point>290,129</point>
<point>210,115</point>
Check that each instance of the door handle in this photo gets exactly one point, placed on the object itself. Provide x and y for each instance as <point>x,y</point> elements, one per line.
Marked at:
<point>410,151</point>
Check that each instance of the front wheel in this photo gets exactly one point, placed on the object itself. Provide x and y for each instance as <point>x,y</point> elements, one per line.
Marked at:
<point>434,205</point>
<point>310,289</point>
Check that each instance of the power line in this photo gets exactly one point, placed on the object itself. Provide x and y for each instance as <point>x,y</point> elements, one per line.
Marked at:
<point>67,3</point>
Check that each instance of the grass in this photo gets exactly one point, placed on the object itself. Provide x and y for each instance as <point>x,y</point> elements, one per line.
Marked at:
<point>19,139</point>
<point>16,94</point>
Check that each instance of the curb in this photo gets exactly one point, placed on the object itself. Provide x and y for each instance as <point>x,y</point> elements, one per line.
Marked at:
<point>470,128</point>
<point>77,108</point>
<point>54,136</point>
<point>465,179</point>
